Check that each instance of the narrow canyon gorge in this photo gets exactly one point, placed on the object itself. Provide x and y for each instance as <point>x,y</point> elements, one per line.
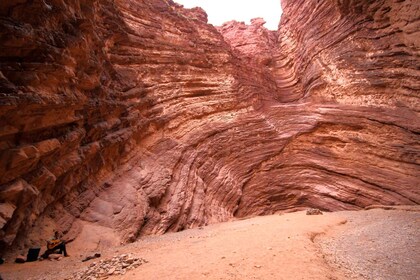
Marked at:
<point>124,118</point>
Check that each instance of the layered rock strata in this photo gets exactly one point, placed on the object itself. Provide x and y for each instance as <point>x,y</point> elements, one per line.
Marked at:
<point>347,104</point>
<point>115,88</point>
<point>254,42</point>
<point>124,118</point>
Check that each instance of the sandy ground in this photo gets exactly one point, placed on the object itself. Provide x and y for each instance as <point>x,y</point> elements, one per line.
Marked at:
<point>374,244</point>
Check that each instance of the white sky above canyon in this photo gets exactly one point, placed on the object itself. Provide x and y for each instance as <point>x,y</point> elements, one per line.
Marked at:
<point>220,11</point>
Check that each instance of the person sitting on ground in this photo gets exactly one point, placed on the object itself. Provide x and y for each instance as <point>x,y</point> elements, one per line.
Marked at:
<point>55,244</point>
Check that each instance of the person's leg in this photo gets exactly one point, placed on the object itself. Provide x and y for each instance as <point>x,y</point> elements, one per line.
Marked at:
<point>64,250</point>
<point>62,247</point>
<point>46,253</point>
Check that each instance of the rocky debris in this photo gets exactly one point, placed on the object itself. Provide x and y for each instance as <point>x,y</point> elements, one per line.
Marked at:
<point>313,211</point>
<point>94,256</point>
<point>375,244</point>
<point>118,265</point>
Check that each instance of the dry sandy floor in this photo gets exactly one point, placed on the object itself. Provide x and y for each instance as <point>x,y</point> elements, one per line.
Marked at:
<point>373,244</point>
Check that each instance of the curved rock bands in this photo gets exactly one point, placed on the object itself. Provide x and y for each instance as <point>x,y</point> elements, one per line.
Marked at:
<point>125,118</point>
<point>135,73</point>
<point>337,163</point>
<point>350,52</point>
<point>82,85</point>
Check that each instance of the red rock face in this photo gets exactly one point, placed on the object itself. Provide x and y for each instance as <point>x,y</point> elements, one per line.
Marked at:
<point>124,118</point>
<point>346,105</point>
<point>254,42</point>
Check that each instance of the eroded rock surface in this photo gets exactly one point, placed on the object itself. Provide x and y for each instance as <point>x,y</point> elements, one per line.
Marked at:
<point>122,118</point>
<point>348,105</point>
<point>253,42</point>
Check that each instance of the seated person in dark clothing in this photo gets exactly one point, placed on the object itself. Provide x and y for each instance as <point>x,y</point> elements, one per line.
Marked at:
<point>54,245</point>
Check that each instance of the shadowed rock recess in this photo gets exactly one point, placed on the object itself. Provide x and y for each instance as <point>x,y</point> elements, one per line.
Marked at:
<point>125,118</point>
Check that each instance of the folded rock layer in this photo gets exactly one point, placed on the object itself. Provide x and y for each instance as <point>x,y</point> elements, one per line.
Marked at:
<point>347,101</point>
<point>125,118</point>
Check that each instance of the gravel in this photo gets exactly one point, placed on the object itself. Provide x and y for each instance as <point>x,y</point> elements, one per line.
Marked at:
<point>375,244</point>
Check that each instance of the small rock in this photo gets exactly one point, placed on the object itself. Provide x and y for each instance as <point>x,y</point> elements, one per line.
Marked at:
<point>313,211</point>
<point>111,271</point>
<point>54,256</point>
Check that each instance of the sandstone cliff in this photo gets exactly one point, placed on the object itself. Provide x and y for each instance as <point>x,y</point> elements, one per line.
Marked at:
<point>254,43</point>
<point>122,118</point>
<point>347,105</point>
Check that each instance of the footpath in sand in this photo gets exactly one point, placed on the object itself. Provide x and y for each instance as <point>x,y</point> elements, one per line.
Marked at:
<point>288,246</point>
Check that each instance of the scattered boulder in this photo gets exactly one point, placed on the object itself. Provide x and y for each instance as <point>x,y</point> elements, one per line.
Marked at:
<point>313,211</point>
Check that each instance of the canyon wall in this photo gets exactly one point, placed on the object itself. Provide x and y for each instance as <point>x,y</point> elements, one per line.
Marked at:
<point>347,101</point>
<point>125,118</point>
<point>117,117</point>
